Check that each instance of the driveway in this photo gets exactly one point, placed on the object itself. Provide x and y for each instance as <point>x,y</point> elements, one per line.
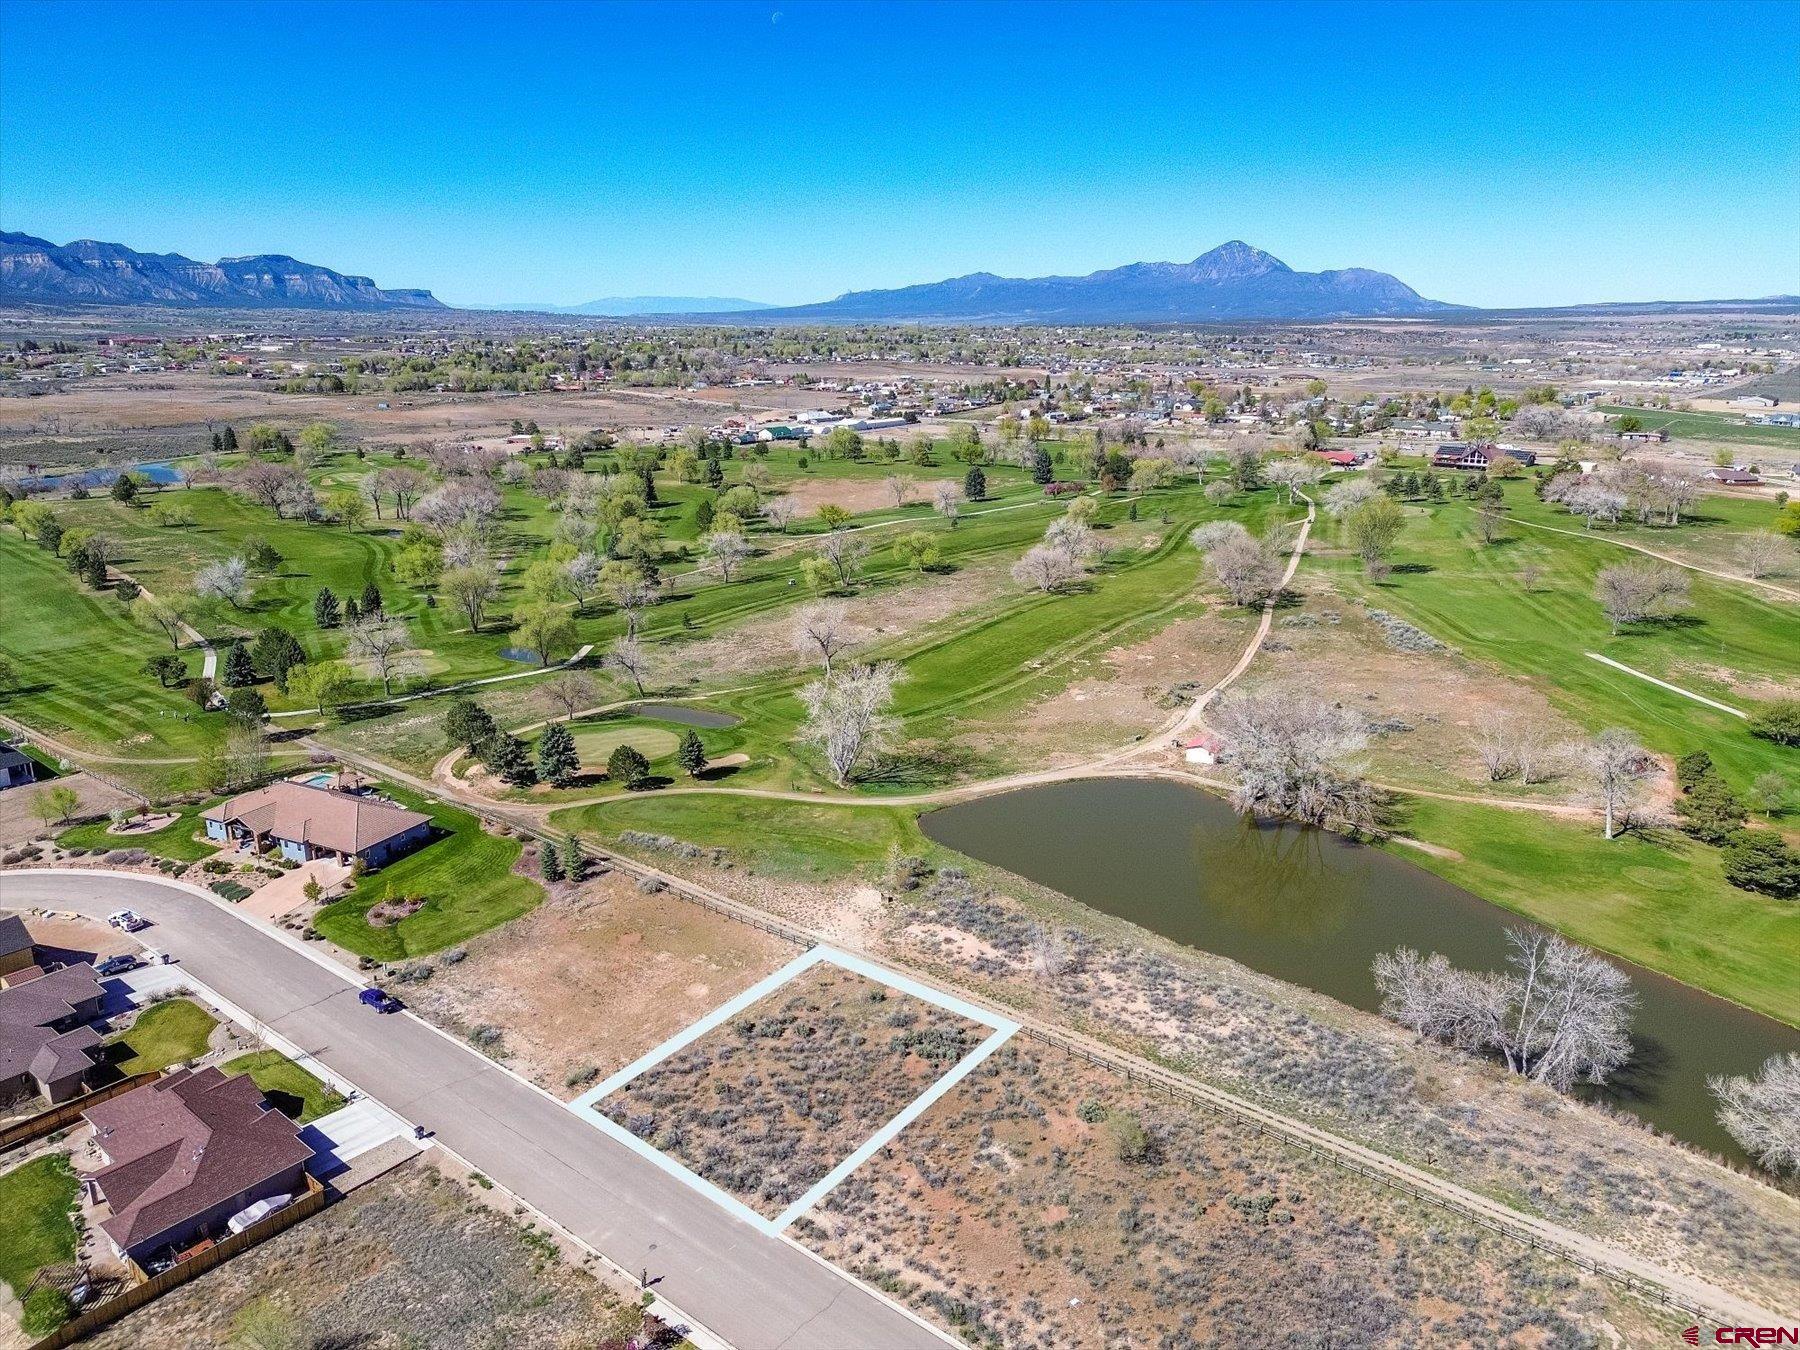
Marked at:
<point>756,1291</point>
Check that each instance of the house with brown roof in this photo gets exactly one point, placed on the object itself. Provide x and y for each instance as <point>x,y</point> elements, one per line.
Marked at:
<point>16,949</point>
<point>184,1154</point>
<point>1457,455</point>
<point>302,821</point>
<point>48,1046</point>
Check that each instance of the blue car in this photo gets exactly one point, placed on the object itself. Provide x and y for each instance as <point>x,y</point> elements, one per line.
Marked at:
<point>380,1000</point>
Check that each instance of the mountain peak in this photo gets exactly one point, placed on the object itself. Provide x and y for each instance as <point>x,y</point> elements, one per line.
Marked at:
<point>1234,258</point>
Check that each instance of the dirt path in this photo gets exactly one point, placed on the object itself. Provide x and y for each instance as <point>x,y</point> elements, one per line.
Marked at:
<point>1737,577</point>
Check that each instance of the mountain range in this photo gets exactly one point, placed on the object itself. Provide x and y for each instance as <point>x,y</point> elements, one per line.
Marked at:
<point>88,272</point>
<point>626,306</point>
<point>1232,281</point>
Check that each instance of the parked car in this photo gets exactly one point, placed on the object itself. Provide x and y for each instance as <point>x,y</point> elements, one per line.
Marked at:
<point>117,965</point>
<point>129,920</point>
<point>380,1000</point>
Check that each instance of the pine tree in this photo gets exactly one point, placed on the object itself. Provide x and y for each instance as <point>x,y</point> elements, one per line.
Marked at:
<point>574,861</point>
<point>93,571</point>
<point>703,516</point>
<point>1041,470</point>
<point>325,607</point>
<point>692,754</point>
<point>549,864</point>
<point>230,439</point>
<point>466,722</point>
<point>506,757</point>
<point>352,611</point>
<point>626,767</point>
<point>275,652</point>
<point>975,483</point>
<point>715,474</point>
<point>557,761</point>
<point>371,599</point>
<point>239,670</point>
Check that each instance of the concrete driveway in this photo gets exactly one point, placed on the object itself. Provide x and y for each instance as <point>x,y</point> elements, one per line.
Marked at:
<point>753,1290</point>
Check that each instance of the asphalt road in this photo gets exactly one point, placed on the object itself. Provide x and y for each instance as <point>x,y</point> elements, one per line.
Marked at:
<point>756,1291</point>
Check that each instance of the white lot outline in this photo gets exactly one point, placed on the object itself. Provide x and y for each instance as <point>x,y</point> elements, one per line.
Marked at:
<point>585,1104</point>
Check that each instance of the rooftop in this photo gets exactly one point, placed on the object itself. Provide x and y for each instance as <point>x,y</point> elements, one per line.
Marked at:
<point>316,815</point>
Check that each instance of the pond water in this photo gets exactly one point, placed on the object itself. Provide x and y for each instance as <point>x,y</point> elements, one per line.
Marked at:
<point>156,471</point>
<point>703,718</point>
<point>1315,909</point>
<point>529,657</point>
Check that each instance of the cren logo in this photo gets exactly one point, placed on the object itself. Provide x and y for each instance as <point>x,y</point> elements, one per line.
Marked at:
<point>1691,1335</point>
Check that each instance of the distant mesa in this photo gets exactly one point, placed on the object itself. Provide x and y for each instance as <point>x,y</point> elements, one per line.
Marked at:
<point>627,306</point>
<point>1231,282</point>
<point>88,272</point>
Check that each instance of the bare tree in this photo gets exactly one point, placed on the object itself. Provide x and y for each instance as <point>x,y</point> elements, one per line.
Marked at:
<point>1074,537</point>
<point>1294,473</point>
<point>1209,536</point>
<point>1558,1015</point>
<point>846,717</point>
<point>1047,568</point>
<point>843,553</point>
<point>1763,1113</point>
<point>824,630</point>
<point>1291,752</point>
<point>632,593</point>
<point>227,579</point>
<point>383,645</point>
<point>581,577</point>
<point>572,691</point>
<point>899,487</point>
<point>780,512</point>
<point>1343,498</point>
<point>1490,520</point>
<point>726,552</point>
<point>628,655</point>
<point>1246,570</point>
<point>1759,554</point>
<point>1594,501</point>
<point>946,500</point>
<point>1618,766</point>
<point>1632,592</point>
<point>1494,741</point>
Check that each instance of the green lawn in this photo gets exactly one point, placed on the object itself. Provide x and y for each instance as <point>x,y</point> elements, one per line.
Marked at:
<point>275,1073</point>
<point>1663,902</point>
<point>164,1034</point>
<point>1704,426</point>
<point>37,1201</point>
<point>464,875</point>
<point>175,841</point>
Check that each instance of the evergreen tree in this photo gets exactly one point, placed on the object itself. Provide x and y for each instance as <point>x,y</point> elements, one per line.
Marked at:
<point>715,474</point>
<point>246,706</point>
<point>466,722</point>
<point>371,599</point>
<point>275,652</point>
<point>218,443</point>
<point>557,761</point>
<point>325,609</point>
<point>692,754</point>
<point>352,611</point>
<point>505,755</point>
<point>626,767</point>
<point>230,439</point>
<point>573,859</point>
<point>93,571</point>
<point>975,483</point>
<point>550,865</point>
<point>124,488</point>
<point>703,516</point>
<point>1041,470</point>
<point>239,671</point>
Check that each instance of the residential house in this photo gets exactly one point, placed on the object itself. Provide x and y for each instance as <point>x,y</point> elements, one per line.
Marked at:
<point>1457,455</point>
<point>16,767</point>
<point>184,1154</point>
<point>16,949</point>
<point>1733,477</point>
<point>47,1045</point>
<point>1344,459</point>
<point>302,822</point>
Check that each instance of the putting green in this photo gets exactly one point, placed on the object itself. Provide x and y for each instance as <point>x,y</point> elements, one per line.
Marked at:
<point>594,744</point>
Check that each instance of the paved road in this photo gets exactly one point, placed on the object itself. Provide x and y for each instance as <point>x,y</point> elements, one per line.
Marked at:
<point>758,1292</point>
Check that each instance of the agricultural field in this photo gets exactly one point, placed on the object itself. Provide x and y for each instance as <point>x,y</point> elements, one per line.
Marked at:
<point>1781,444</point>
<point>1045,1202</point>
<point>412,1258</point>
<point>766,1104</point>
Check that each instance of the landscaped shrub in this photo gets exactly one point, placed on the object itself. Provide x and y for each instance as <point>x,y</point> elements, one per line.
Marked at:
<point>1778,722</point>
<point>231,890</point>
<point>1760,860</point>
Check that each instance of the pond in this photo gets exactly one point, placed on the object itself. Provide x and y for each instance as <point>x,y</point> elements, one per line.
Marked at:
<point>1315,909</point>
<point>703,718</point>
<point>159,471</point>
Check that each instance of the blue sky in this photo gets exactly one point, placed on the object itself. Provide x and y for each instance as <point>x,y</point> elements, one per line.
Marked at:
<point>787,151</point>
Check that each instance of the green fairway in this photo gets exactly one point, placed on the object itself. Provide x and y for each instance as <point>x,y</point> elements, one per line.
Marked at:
<point>165,1034</point>
<point>37,1202</point>
<point>286,1083</point>
<point>176,840</point>
<point>464,877</point>
<point>1662,902</point>
<point>595,743</point>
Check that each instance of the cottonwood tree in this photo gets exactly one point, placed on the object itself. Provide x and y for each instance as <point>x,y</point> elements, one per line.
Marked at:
<point>581,578</point>
<point>1618,766</point>
<point>1633,592</point>
<point>1073,536</point>
<point>572,691</point>
<point>1343,498</point>
<point>1294,473</point>
<point>1594,501</point>
<point>1761,553</point>
<point>544,629</point>
<point>780,512</point>
<point>631,593</point>
<point>627,656</point>
<point>1558,1015</point>
<point>842,556</point>
<point>946,500</point>
<point>726,552</point>
<point>824,631</point>
<point>1047,568</point>
<point>167,614</point>
<point>1209,536</point>
<point>1291,752</point>
<point>227,579</point>
<point>1246,570</point>
<point>472,589</point>
<point>1372,528</point>
<point>383,646</point>
<point>899,488</point>
<point>847,717</point>
<point>1763,1112</point>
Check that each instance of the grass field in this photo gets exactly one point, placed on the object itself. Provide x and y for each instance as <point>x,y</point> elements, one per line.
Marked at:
<point>175,840</point>
<point>166,1033</point>
<point>595,743</point>
<point>1721,427</point>
<point>279,1077</point>
<point>37,1201</point>
<point>464,876</point>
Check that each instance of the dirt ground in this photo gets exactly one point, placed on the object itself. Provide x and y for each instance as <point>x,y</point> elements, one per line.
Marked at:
<point>412,1260</point>
<point>857,494</point>
<point>1046,1202</point>
<point>72,940</point>
<point>771,1101</point>
<point>590,980</point>
<point>19,820</point>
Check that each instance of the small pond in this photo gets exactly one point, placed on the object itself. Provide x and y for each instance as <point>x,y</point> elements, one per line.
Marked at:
<point>1315,909</point>
<point>159,471</point>
<point>523,654</point>
<point>703,718</point>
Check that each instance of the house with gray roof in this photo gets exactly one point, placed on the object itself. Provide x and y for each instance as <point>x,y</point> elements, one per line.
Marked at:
<point>48,1045</point>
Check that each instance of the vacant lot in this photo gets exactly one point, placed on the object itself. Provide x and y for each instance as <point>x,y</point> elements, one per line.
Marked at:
<point>408,1261</point>
<point>770,1102</point>
<point>1046,1202</point>
<point>586,983</point>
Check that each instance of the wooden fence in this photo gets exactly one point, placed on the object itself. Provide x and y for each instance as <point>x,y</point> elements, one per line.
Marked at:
<point>60,1117</point>
<point>104,1314</point>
